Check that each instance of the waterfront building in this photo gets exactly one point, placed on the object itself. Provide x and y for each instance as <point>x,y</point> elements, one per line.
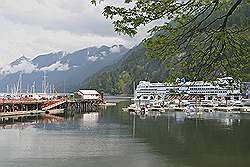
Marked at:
<point>88,95</point>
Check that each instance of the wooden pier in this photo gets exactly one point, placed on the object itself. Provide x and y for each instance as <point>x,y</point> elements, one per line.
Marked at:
<point>83,101</point>
<point>81,106</point>
<point>57,107</point>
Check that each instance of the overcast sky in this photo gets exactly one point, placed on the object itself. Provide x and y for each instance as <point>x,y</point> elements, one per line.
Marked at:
<point>32,27</point>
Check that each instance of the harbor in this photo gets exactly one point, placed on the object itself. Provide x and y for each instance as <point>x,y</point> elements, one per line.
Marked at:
<point>86,127</point>
<point>197,97</point>
<point>193,98</point>
<point>130,140</point>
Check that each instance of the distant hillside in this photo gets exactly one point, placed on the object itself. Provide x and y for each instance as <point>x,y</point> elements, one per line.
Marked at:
<point>132,68</point>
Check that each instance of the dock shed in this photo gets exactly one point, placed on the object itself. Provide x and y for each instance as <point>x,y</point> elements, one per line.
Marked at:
<point>88,95</point>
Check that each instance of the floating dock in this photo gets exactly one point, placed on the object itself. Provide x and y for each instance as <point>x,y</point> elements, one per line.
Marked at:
<point>245,109</point>
<point>31,113</point>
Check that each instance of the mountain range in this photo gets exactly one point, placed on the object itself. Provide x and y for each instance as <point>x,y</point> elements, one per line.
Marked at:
<point>61,69</point>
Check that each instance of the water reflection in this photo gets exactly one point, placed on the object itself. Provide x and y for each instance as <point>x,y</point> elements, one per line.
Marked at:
<point>115,138</point>
<point>17,122</point>
<point>215,139</point>
<point>223,141</point>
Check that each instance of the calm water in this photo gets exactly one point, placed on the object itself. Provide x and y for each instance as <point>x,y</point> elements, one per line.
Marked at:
<point>113,138</point>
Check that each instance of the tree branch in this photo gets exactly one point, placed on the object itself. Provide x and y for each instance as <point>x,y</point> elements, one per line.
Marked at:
<point>230,12</point>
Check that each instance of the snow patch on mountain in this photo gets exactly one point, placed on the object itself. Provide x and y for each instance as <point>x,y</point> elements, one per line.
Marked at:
<point>63,54</point>
<point>58,66</point>
<point>104,53</point>
<point>63,67</point>
<point>23,66</point>
<point>115,49</point>
<point>92,58</point>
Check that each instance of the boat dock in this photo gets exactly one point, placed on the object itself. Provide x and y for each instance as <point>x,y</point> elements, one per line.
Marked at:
<point>83,101</point>
<point>245,109</point>
<point>31,113</point>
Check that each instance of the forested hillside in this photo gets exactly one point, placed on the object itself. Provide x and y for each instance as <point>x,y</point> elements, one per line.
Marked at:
<point>119,78</point>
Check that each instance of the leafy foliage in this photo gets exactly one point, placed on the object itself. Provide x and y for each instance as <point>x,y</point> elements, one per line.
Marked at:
<point>200,39</point>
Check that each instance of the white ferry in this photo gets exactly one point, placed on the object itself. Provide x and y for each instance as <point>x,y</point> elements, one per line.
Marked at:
<point>154,93</point>
<point>151,94</point>
<point>221,88</point>
<point>146,90</point>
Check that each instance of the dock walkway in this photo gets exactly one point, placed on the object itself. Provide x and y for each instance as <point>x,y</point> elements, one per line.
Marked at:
<point>32,112</point>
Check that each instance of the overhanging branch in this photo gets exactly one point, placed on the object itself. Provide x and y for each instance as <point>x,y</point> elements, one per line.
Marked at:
<point>230,12</point>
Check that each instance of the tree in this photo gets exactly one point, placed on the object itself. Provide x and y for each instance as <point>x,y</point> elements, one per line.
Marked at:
<point>199,39</point>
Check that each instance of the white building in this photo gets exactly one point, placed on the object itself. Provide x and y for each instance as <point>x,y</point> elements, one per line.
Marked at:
<point>89,95</point>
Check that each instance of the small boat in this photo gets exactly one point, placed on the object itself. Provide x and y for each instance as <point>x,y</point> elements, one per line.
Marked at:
<point>245,102</point>
<point>190,108</point>
<point>132,108</point>
<point>191,111</point>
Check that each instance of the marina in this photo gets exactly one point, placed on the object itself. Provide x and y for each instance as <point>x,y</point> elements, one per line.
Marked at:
<point>224,94</point>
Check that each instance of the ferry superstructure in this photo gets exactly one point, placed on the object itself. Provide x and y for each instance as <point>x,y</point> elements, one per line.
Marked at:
<point>147,92</point>
<point>221,88</point>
